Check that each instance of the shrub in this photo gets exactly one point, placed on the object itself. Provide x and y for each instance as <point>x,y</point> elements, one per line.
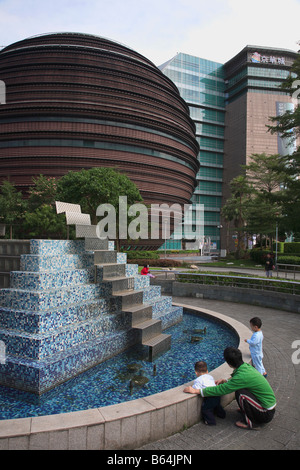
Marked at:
<point>156,262</point>
<point>258,255</point>
<point>142,255</point>
<point>243,282</point>
<point>289,260</point>
<point>292,247</point>
<point>280,247</point>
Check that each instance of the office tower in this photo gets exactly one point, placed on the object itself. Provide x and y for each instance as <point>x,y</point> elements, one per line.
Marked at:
<point>201,83</point>
<point>231,105</point>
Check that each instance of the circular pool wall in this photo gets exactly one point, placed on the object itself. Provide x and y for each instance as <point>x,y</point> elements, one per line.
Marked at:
<point>126,425</point>
<point>78,101</point>
<point>130,375</point>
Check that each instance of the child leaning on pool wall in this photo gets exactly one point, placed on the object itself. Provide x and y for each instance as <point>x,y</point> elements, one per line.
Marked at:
<point>210,405</point>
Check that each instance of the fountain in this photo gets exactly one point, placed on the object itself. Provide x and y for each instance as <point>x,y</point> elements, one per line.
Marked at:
<point>75,304</point>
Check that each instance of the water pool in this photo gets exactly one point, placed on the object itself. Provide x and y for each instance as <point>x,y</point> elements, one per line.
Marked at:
<point>127,376</point>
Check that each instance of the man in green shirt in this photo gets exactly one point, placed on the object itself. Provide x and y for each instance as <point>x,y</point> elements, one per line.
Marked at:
<point>253,392</point>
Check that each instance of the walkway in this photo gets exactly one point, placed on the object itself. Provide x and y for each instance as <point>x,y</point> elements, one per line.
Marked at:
<point>280,329</point>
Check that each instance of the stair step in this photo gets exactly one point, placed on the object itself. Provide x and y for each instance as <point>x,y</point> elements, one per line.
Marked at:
<point>120,284</point>
<point>116,278</point>
<point>127,293</point>
<point>105,256</point>
<point>138,313</point>
<point>113,270</point>
<point>156,340</point>
<point>147,323</point>
<point>158,345</point>
<point>148,329</point>
<point>129,297</point>
<point>136,308</point>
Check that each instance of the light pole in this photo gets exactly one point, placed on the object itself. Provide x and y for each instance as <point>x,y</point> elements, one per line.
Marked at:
<point>276,245</point>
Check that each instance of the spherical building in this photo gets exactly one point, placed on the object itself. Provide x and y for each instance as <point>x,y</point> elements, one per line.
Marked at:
<point>78,101</point>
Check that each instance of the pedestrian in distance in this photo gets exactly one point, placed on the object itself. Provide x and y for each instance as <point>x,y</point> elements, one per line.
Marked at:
<point>269,265</point>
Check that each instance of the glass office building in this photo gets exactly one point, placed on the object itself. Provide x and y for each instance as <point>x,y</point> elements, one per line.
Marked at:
<point>231,105</point>
<point>201,83</point>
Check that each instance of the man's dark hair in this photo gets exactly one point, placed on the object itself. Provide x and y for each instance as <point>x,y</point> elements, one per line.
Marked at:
<point>233,357</point>
<point>256,322</point>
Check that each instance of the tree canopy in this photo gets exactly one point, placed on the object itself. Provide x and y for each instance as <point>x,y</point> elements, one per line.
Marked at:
<point>265,196</point>
<point>11,205</point>
<point>288,124</point>
<point>96,186</point>
<point>35,216</point>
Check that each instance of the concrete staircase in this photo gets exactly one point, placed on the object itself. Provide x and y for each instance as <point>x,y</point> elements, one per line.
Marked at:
<point>75,304</point>
<point>149,330</point>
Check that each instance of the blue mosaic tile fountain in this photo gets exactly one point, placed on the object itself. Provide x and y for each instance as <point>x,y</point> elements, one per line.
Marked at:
<point>71,307</point>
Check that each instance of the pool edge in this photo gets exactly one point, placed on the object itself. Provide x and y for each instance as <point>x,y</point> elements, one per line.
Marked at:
<point>127,425</point>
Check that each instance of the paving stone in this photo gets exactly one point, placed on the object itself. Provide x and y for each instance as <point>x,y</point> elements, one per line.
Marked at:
<point>280,329</point>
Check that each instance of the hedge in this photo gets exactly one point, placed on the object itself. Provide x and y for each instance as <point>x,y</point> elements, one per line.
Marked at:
<point>259,255</point>
<point>292,247</point>
<point>156,262</point>
<point>288,260</point>
<point>280,247</point>
<point>142,255</point>
<point>242,282</point>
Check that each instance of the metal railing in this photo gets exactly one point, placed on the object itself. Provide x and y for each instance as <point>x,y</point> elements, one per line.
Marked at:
<point>287,269</point>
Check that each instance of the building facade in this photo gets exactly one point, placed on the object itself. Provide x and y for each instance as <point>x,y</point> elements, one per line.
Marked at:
<point>202,84</point>
<point>78,101</point>
<point>231,105</point>
<point>180,131</point>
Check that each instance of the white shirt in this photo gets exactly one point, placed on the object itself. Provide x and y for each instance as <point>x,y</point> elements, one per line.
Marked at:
<point>204,381</point>
<point>255,343</point>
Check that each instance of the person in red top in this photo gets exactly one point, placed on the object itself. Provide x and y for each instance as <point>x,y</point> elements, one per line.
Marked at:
<point>146,272</point>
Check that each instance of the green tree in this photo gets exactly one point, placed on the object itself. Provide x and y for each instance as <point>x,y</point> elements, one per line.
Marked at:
<point>235,209</point>
<point>262,217</point>
<point>43,222</point>
<point>288,124</point>
<point>41,219</point>
<point>90,188</point>
<point>290,194</point>
<point>42,192</point>
<point>11,206</point>
<point>257,197</point>
<point>266,173</point>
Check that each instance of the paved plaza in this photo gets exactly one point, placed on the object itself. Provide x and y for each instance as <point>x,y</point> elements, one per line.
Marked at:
<point>280,330</point>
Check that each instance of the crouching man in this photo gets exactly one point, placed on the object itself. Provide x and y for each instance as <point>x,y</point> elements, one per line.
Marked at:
<point>253,392</point>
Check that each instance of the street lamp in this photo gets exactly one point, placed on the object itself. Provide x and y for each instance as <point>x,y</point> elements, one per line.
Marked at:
<point>276,250</point>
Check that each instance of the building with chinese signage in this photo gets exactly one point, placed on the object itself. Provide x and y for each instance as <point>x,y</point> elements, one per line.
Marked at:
<point>231,105</point>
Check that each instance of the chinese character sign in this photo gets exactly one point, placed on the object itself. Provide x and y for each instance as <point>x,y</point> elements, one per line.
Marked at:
<point>266,59</point>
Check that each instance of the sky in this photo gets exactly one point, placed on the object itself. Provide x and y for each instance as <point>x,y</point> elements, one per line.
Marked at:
<point>158,29</point>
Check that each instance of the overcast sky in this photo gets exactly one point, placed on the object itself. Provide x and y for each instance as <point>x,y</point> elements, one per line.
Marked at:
<point>158,29</point>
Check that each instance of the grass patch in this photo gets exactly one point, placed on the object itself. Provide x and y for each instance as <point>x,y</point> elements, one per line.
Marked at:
<point>234,263</point>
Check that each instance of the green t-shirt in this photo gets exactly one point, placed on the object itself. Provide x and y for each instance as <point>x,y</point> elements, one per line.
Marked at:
<point>245,376</point>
